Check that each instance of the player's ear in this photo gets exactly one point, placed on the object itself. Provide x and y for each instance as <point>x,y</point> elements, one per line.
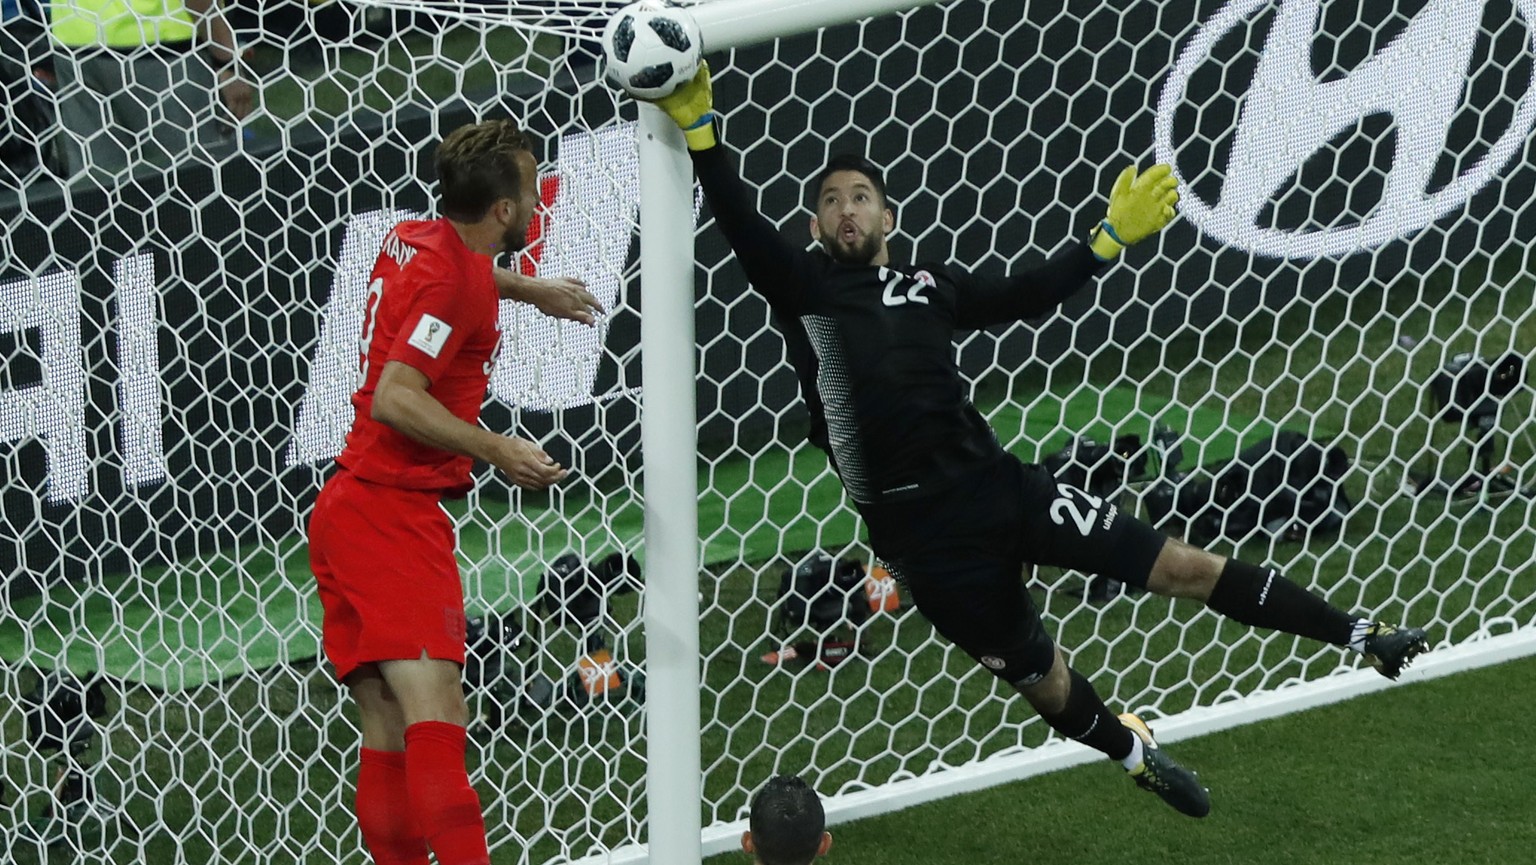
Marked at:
<point>746,844</point>
<point>815,228</point>
<point>825,845</point>
<point>888,221</point>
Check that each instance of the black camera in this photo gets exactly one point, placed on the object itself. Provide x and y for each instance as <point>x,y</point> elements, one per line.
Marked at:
<point>1468,391</point>
<point>61,712</point>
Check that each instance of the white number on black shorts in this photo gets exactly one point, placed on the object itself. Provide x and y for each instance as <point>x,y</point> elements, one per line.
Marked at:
<point>1076,505</point>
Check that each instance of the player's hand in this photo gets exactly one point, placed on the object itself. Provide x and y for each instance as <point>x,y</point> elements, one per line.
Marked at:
<point>526,464</point>
<point>238,95</point>
<point>1140,205</point>
<point>563,297</point>
<point>692,108</point>
<point>558,297</point>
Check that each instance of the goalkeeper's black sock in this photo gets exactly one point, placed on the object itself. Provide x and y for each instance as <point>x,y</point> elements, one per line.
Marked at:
<point>1086,719</point>
<point>1262,598</point>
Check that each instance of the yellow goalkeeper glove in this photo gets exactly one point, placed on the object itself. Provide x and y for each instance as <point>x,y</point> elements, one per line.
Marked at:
<point>692,108</point>
<point>1139,206</point>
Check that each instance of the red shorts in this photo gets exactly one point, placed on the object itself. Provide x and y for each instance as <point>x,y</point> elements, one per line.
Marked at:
<point>389,582</point>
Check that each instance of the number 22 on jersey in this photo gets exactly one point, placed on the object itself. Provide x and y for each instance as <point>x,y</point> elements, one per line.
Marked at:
<point>894,295</point>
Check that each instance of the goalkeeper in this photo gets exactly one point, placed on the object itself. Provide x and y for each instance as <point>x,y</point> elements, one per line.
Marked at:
<point>955,516</point>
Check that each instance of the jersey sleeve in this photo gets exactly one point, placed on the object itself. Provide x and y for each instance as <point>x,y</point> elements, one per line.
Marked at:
<point>985,301</point>
<point>774,266</point>
<point>435,326</point>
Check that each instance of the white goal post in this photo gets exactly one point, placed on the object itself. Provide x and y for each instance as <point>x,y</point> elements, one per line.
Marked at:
<point>674,780</point>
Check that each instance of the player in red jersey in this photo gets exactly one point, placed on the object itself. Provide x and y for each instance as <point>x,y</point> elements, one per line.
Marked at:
<point>380,544</point>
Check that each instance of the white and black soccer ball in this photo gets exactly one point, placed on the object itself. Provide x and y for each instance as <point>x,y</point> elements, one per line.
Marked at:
<point>652,48</point>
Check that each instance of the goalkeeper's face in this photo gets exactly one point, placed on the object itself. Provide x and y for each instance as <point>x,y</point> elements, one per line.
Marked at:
<point>852,220</point>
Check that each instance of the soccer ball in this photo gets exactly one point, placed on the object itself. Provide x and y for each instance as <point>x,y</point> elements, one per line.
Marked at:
<point>652,48</point>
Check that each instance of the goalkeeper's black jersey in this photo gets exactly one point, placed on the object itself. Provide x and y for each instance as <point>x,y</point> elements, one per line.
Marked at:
<point>874,346</point>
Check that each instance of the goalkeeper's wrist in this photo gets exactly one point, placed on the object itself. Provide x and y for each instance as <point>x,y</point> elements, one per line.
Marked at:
<point>1105,245</point>
<point>701,134</point>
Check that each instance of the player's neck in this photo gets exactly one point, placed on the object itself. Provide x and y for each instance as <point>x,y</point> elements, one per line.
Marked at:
<point>484,237</point>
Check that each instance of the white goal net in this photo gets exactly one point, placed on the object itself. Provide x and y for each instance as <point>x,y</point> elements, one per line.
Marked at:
<point>1351,269</point>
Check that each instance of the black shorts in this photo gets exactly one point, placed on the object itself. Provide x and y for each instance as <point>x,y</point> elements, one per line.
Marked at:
<point>961,554</point>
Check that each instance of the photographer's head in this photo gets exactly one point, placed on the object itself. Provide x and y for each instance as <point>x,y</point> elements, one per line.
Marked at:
<point>788,825</point>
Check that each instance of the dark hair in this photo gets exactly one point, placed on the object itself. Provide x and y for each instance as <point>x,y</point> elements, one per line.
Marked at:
<point>848,162</point>
<point>477,166</point>
<point>787,822</point>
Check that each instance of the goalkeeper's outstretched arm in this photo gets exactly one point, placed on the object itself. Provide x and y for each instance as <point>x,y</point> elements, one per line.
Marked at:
<point>1140,205</point>
<point>773,265</point>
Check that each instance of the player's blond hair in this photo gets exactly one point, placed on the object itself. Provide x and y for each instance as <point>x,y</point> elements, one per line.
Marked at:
<point>477,166</point>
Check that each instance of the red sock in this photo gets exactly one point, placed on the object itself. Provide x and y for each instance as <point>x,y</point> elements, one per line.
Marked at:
<point>384,813</point>
<point>445,806</point>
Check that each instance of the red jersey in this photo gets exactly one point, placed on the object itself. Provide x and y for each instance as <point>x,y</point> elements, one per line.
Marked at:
<point>432,304</point>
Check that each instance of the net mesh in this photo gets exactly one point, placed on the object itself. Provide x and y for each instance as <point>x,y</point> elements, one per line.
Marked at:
<point>581,19</point>
<point>178,336</point>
